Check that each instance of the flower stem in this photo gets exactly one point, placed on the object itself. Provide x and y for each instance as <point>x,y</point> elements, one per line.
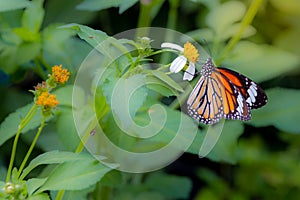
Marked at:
<point>31,146</point>
<point>22,124</point>
<point>244,24</point>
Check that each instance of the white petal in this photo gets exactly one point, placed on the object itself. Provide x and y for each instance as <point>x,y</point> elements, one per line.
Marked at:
<point>178,64</point>
<point>172,46</point>
<point>190,72</point>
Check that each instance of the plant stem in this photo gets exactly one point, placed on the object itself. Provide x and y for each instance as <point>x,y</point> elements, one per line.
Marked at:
<point>60,195</point>
<point>137,179</point>
<point>173,14</point>
<point>79,149</point>
<point>171,24</point>
<point>104,193</point>
<point>31,146</point>
<point>144,19</point>
<point>22,124</point>
<point>86,136</point>
<point>244,24</point>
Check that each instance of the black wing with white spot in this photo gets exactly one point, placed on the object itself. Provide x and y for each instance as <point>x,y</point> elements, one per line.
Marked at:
<point>254,95</point>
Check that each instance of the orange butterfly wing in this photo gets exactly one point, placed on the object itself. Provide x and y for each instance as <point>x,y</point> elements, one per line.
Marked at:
<point>253,93</point>
<point>223,93</point>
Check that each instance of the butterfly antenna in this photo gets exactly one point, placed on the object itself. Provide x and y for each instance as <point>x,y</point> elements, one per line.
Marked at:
<point>194,75</point>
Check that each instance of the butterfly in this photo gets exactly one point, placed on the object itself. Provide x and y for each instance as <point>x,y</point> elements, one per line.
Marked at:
<point>224,93</point>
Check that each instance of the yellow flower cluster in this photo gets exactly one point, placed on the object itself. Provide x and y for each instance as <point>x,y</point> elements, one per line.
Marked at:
<point>60,75</point>
<point>47,100</point>
<point>190,52</point>
<point>43,97</point>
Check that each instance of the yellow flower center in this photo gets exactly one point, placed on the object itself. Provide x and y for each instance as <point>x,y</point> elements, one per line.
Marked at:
<point>60,75</point>
<point>47,100</point>
<point>190,52</point>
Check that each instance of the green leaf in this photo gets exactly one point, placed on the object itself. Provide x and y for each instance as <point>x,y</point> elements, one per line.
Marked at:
<point>261,62</point>
<point>41,196</point>
<point>91,36</point>
<point>3,172</point>
<point>133,93</point>
<point>27,51</point>
<point>169,185</point>
<point>33,16</point>
<point>221,17</point>
<point>75,175</point>
<point>27,46</point>
<point>234,28</point>
<point>101,105</point>
<point>26,35</point>
<point>10,20</point>
<point>125,4</point>
<point>159,86</point>
<point>2,184</point>
<point>9,48</point>
<point>225,147</point>
<point>34,183</point>
<point>9,126</point>
<point>64,95</point>
<point>112,49</point>
<point>49,140</point>
<point>13,4</point>
<point>66,129</point>
<point>171,125</point>
<point>112,178</point>
<point>203,33</point>
<point>95,5</point>
<point>166,79</point>
<point>9,64</point>
<point>53,157</point>
<point>216,183</point>
<point>281,111</point>
<point>286,40</point>
<point>75,194</point>
<point>208,34</point>
<point>68,14</point>
<point>56,46</point>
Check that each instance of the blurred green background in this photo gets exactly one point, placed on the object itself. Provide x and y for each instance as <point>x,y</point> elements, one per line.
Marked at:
<point>263,156</point>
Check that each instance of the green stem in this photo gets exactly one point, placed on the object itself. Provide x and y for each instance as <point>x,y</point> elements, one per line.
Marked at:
<point>22,124</point>
<point>40,63</point>
<point>244,24</point>
<point>137,179</point>
<point>79,149</point>
<point>86,136</point>
<point>171,24</point>
<point>60,195</point>
<point>144,19</point>
<point>173,14</point>
<point>104,193</point>
<point>31,146</point>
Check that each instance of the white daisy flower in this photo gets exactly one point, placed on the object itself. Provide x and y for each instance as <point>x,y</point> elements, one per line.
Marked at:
<point>186,60</point>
